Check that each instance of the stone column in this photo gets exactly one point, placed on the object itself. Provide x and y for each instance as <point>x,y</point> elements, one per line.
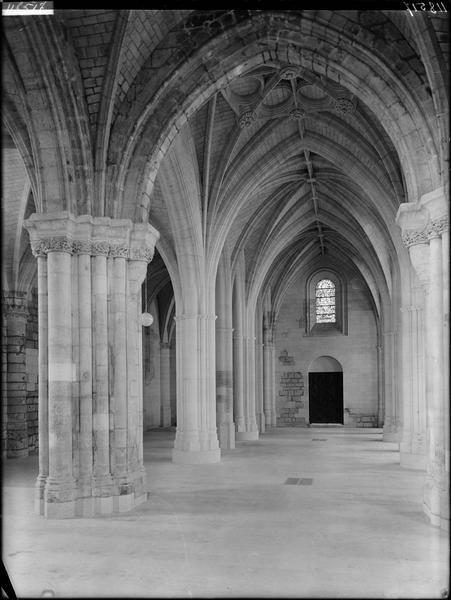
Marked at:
<point>15,306</point>
<point>224,357</point>
<point>392,421</point>
<point>90,402</point>
<point>268,370</point>
<point>435,491</point>
<point>423,226</point>
<point>165,386</point>
<point>446,343</point>
<point>102,479</point>
<point>250,372</point>
<point>238,360</point>
<point>60,488</point>
<point>380,386</point>
<point>196,440</point>
<point>118,374</point>
<point>43,399</point>
<point>413,443</point>
<point>85,362</point>
<point>259,392</point>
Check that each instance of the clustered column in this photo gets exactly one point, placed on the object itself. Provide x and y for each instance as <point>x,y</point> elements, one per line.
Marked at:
<point>268,370</point>
<point>90,270</point>
<point>196,440</point>
<point>224,358</point>
<point>165,386</point>
<point>425,233</point>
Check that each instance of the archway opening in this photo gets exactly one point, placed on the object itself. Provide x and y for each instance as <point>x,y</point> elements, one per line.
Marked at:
<point>325,391</point>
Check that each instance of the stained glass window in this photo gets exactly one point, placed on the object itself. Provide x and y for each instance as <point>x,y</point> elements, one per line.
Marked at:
<point>325,301</point>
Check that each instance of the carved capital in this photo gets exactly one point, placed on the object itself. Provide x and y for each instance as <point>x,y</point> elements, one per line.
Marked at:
<point>57,244</point>
<point>100,249</point>
<point>39,249</point>
<point>118,251</point>
<point>82,247</point>
<point>410,238</point>
<point>145,254</point>
<point>437,227</point>
<point>95,236</point>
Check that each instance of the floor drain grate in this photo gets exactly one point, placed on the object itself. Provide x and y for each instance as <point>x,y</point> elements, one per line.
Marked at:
<point>299,481</point>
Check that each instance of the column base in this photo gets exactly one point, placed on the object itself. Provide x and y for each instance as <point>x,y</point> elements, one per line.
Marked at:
<point>391,436</point>
<point>39,494</point>
<point>261,422</point>
<point>270,418</point>
<point>92,506</point>
<point>413,461</point>
<point>436,505</point>
<point>56,500</point>
<point>245,436</point>
<point>166,417</point>
<point>196,457</point>
<point>392,431</point>
<point>226,435</point>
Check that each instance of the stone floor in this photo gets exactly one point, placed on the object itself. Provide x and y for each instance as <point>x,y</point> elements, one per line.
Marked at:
<point>236,529</point>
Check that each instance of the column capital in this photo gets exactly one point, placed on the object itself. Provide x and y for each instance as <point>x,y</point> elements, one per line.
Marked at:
<point>96,236</point>
<point>437,226</point>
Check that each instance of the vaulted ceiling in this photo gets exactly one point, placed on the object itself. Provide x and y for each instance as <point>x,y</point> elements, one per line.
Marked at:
<point>285,136</point>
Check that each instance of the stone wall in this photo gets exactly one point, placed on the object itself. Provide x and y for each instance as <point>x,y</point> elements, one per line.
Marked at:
<point>291,400</point>
<point>4,384</point>
<point>31,369</point>
<point>20,374</point>
<point>356,352</point>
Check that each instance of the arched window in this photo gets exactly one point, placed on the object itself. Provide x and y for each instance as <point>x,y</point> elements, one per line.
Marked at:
<point>325,301</point>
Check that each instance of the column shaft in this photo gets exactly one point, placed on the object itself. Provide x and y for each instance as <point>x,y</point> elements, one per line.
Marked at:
<point>85,365</point>
<point>435,482</point>
<point>259,391</point>
<point>268,371</point>
<point>43,413</point>
<point>60,488</point>
<point>165,389</point>
<point>119,370</point>
<point>391,418</point>
<point>101,424</point>
<point>196,439</point>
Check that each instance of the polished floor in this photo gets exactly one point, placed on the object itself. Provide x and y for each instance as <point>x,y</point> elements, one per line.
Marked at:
<point>318,512</point>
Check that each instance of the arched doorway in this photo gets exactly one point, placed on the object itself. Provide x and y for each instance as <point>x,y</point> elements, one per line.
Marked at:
<point>325,380</point>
